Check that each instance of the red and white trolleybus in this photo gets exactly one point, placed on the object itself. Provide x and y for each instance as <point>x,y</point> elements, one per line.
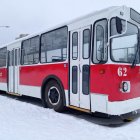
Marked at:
<point>90,64</point>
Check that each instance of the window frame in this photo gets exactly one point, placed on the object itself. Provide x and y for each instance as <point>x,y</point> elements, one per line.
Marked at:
<point>21,51</point>
<point>93,41</point>
<point>66,47</point>
<point>121,36</point>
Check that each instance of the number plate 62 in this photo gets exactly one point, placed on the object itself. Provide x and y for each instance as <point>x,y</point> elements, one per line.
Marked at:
<point>122,71</point>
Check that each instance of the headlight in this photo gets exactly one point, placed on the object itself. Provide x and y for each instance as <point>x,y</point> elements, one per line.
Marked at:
<point>125,86</point>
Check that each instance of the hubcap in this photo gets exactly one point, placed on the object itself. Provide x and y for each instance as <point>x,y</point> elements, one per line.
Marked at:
<point>54,95</point>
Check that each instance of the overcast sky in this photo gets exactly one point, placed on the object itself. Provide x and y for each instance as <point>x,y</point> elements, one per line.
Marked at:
<point>30,16</point>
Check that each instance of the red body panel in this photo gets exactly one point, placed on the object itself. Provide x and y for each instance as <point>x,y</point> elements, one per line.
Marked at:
<point>3,75</point>
<point>104,79</point>
<point>34,75</point>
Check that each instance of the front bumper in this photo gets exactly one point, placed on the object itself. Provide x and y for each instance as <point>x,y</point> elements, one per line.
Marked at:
<point>100,103</point>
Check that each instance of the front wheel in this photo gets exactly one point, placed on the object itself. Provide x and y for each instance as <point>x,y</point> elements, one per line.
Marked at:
<point>54,96</point>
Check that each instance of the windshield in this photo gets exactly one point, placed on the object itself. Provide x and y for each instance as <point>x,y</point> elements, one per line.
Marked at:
<point>124,48</point>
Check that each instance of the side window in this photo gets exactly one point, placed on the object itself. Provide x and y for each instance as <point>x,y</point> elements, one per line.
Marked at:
<point>30,51</point>
<point>25,51</point>
<point>86,43</point>
<point>75,45</point>
<point>113,30</point>
<point>100,42</point>
<point>54,46</point>
<point>3,56</point>
<point>34,50</point>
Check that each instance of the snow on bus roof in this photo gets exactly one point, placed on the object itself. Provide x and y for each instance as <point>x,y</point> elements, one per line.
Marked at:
<point>109,9</point>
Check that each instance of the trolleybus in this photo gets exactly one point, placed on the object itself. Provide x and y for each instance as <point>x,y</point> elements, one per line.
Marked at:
<point>90,64</point>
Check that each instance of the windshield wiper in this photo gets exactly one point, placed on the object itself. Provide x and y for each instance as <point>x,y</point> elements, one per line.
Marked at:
<point>134,61</point>
<point>102,62</point>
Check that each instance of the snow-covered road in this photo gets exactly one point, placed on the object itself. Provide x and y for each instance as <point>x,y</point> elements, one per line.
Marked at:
<point>25,119</point>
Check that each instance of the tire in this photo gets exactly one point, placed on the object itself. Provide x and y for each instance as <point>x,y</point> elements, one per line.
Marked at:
<point>54,96</point>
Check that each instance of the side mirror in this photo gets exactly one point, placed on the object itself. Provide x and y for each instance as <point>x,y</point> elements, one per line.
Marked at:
<point>119,25</point>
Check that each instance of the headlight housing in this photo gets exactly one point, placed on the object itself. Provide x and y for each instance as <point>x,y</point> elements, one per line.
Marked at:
<point>125,86</point>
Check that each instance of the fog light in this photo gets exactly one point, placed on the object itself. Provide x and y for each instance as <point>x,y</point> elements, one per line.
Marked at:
<point>125,86</point>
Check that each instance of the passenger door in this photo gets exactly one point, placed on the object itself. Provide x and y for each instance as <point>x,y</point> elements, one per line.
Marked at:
<point>13,70</point>
<point>79,67</point>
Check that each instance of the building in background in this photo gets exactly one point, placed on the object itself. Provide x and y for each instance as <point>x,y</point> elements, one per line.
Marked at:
<point>21,36</point>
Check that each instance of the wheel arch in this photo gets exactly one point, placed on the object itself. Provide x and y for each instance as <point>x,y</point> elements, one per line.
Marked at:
<point>49,78</point>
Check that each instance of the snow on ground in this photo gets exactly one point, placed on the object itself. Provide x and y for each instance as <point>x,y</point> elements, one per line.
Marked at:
<point>25,119</point>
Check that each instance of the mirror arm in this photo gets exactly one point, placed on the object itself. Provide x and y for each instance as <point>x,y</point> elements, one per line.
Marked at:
<point>120,34</point>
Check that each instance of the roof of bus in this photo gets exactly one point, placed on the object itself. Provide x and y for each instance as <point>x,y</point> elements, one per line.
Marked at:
<point>109,9</point>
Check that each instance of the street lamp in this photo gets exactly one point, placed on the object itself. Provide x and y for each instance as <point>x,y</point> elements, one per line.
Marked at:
<point>4,26</point>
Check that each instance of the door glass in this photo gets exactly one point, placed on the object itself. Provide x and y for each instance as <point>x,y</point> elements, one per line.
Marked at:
<point>86,43</point>
<point>100,42</point>
<point>16,59</point>
<point>18,56</point>
<point>8,60</point>
<point>85,80</point>
<point>74,79</point>
<point>12,57</point>
<point>75,46</point>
